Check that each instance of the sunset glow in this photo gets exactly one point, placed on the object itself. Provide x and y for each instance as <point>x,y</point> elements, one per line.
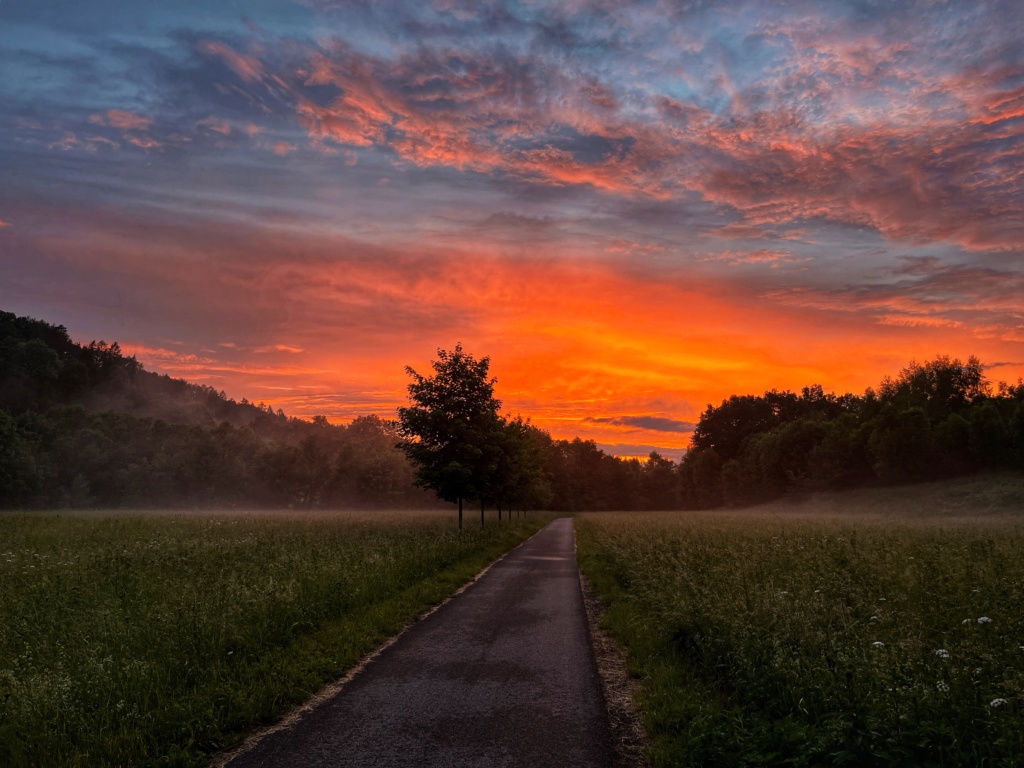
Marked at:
<point>635,209</point>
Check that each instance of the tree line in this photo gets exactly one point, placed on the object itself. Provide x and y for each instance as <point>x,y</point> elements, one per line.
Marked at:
<point>87,426</point>
<point>933,420</point>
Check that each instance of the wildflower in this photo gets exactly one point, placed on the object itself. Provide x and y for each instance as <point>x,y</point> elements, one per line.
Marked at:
<point>942,653</point>
<point>878,644</point>
<point>966,621</point>
<point>874,618</point>
<point>942,686</point>
<point>984,620</point>
<point>997,703</point>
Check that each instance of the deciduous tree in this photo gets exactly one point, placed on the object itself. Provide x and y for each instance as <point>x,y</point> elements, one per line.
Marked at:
<point>451,426</point>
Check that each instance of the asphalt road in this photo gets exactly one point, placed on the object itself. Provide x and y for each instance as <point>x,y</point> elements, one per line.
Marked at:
<point>502,675</point>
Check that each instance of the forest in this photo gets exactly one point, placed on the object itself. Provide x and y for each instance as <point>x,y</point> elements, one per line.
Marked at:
<point>86,426</point>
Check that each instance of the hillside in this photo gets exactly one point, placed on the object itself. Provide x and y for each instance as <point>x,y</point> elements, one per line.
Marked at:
<point>87,426</point>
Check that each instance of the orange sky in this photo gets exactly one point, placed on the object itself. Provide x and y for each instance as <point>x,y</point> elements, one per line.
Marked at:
<point>584,349</point>
<point>634,208</point>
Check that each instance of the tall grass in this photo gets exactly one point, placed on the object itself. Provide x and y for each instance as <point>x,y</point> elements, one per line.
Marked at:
<point>768,640</point>
<point>158,640</point>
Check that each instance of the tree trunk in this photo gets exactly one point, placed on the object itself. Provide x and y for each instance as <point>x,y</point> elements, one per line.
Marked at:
<point>460,513</point>
<point>481,513</point>
<point>499,511</point>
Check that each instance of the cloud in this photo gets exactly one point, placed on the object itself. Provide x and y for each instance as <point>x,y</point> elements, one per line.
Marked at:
<point>246,67</point>
<point>654,423</point>
<point>215,124</point>
<point>983,301</point>
<point>120,118</point>
<point>758,256</point>
<point>849,124</point>
<point>908,121</point>
<point>135,129</point>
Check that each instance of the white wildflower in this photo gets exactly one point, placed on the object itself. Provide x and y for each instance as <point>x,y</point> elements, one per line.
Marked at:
<point>878,644</point>
<point>984,620</point>
<point>942,653</point>
<point>997,703</point>
<point>966,621</point>
<point>942,686</point>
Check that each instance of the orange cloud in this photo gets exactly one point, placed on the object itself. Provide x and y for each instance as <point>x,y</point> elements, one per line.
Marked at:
<point>893,147</point>
<point>606,349</point>
<point>143,142</point>
<point>246,67</point>
<point>215,124</point>
<point>584,349</point>
<point>119,118</point>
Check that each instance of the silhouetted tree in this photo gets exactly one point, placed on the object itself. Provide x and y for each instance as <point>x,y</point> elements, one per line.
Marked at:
<point>451,426</point>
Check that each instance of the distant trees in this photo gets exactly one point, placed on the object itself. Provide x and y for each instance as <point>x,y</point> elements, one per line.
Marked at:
<point>460,444</point>
<point>932,420</point>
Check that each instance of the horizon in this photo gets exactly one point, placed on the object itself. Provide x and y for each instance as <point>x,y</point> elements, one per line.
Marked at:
<point>634,210</point>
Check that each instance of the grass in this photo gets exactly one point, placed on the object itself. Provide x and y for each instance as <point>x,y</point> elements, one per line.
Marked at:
<point>888,632</point>
<point>159,640</point>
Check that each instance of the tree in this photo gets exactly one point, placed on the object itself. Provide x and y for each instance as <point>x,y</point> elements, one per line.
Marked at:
<point>519,478</point>
<point>451,428</point>
<point>940,387</point>
<point>902,445</point>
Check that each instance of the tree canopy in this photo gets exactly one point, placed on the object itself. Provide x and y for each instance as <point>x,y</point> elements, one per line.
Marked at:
<point>453,430</point>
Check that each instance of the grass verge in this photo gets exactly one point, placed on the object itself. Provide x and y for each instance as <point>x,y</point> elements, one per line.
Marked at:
<point>768,638</point>
<point>161,640</point>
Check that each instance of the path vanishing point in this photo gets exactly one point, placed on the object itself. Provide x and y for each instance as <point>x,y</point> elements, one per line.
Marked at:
<point>502,675</point>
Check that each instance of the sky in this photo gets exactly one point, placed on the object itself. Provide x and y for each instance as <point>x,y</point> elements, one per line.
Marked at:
<point>634,209</point>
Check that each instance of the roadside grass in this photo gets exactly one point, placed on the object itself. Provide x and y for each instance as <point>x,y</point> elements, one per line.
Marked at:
<point>773,636</point>
<point>159,640</point>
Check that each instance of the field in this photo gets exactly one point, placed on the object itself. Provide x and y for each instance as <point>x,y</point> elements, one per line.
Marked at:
<point>157,640</point>
<point>886,630</point>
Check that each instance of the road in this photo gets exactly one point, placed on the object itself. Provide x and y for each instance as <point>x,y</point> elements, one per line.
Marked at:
<point>502,675</point>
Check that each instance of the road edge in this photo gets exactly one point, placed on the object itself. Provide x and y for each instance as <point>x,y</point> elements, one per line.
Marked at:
<point>625,718</point>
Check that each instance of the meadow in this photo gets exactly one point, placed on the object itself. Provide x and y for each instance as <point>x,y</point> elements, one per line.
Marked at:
<point>882,627</point>
<point>158,640</point>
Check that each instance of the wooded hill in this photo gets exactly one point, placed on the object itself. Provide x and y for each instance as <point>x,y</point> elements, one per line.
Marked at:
<point>87,426</point>
<point>933,420</point>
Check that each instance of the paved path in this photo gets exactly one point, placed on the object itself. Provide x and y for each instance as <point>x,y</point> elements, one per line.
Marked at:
<point>500,676</point>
